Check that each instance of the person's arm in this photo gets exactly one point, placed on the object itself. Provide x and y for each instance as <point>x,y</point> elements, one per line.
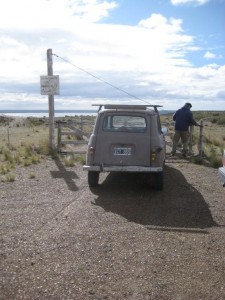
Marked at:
<point>193,122</point>
<point>174,116</point>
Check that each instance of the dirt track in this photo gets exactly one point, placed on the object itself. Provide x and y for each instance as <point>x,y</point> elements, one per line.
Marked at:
<point>124,240</point>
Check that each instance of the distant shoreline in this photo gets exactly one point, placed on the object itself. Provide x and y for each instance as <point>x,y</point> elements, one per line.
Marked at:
<point>45,113</point>
<point>45,110</point>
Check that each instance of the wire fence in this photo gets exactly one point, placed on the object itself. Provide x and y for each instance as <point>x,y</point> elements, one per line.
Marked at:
<point>204,141</point>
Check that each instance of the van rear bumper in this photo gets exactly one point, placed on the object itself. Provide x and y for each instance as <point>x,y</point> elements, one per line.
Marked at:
<point>103,168</point>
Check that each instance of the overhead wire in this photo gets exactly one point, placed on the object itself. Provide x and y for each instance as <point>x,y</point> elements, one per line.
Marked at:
<point>100,79</point>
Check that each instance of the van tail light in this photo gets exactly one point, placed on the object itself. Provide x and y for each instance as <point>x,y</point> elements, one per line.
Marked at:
<point>153,156</point>
<point>91,150</point>
<point>154,153</point>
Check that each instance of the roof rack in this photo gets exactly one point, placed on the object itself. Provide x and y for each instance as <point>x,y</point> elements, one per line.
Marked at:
<point>122,106</point>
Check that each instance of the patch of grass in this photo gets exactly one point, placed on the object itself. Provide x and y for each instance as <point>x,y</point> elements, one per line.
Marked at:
<point>221,121</point>
<point>44,148</point>
<point>35,159</point>
<point>32,175</point>
<point>197,160</point>
<point>24,145</point>
<point>2,149</point>
<point>8,177</point>
<point>4,169</point>
<point>214,159</point>
<point>216,117</point>
<point>218,143</point>
<point>24,155</point>
<point>69,161</point>
<point>72,159</point>
<point>18,159</point>
<point>215,162</point>
<point>35,121</point>
<point>81,159</point>
<point>8,156</point>
<point>28,152</point>
<point>27,162</point>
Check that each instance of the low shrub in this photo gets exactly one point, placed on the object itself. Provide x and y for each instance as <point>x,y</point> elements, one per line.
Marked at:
<point>32,175</point>
<point>197,160</point>
<point>81,159</point>
<point>69,161</point>
<point>8,177</point>
<point>214,158</point>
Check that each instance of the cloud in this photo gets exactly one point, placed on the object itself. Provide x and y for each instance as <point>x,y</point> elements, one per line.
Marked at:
<point>170,43</point>
<point>189,2</point>
<point>52,14</point>
<point>147,59</point>
<point>210,55</point>
<point>221,94</point>
<point>93,10</point>
<point>158,21</point>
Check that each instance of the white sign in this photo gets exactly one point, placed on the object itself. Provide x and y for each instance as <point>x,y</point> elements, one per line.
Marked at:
<point>50,85</point>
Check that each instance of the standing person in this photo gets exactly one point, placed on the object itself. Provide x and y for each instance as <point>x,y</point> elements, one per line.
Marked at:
<point>183,119</point>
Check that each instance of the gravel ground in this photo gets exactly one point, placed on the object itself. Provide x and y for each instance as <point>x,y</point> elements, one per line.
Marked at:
<point>122,240</point>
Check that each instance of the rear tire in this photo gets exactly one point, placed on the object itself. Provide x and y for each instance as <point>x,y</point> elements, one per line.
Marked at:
<point>159,181</point>
<point>93,178</point>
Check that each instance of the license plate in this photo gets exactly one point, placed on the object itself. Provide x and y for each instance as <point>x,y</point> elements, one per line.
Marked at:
<point>122,151</point>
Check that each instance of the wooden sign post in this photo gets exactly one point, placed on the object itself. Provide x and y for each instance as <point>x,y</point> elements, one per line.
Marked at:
<point>50,87</point>
<point>51,102</point>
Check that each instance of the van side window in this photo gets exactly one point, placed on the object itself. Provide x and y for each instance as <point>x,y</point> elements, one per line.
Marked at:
<point>159,125</point>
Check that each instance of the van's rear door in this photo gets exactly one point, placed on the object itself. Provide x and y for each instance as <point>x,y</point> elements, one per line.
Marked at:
<point>123,139</point>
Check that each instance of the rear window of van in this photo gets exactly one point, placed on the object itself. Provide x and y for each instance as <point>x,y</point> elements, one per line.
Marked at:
<point>122,123</point>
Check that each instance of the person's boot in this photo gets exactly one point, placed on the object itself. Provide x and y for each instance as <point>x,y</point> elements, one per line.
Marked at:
<point>184,153</point>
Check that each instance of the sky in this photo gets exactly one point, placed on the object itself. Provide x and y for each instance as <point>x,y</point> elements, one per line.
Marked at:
<point>165,52</point>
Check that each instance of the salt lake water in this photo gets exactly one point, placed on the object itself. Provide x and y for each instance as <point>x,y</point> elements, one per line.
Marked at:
<point>45,113</point>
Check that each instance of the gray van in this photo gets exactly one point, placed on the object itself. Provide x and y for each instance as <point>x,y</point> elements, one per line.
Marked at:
<point>126,138</point>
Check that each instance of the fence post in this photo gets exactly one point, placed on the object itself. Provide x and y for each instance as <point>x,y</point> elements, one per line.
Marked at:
<point>59,136</point>
<point>191,139</point>
<point>8,136</point>
<point>81,123</point>
<point>200,143</point>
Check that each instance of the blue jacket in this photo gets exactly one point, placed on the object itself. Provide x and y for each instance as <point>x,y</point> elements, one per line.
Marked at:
<point>183,119</point>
